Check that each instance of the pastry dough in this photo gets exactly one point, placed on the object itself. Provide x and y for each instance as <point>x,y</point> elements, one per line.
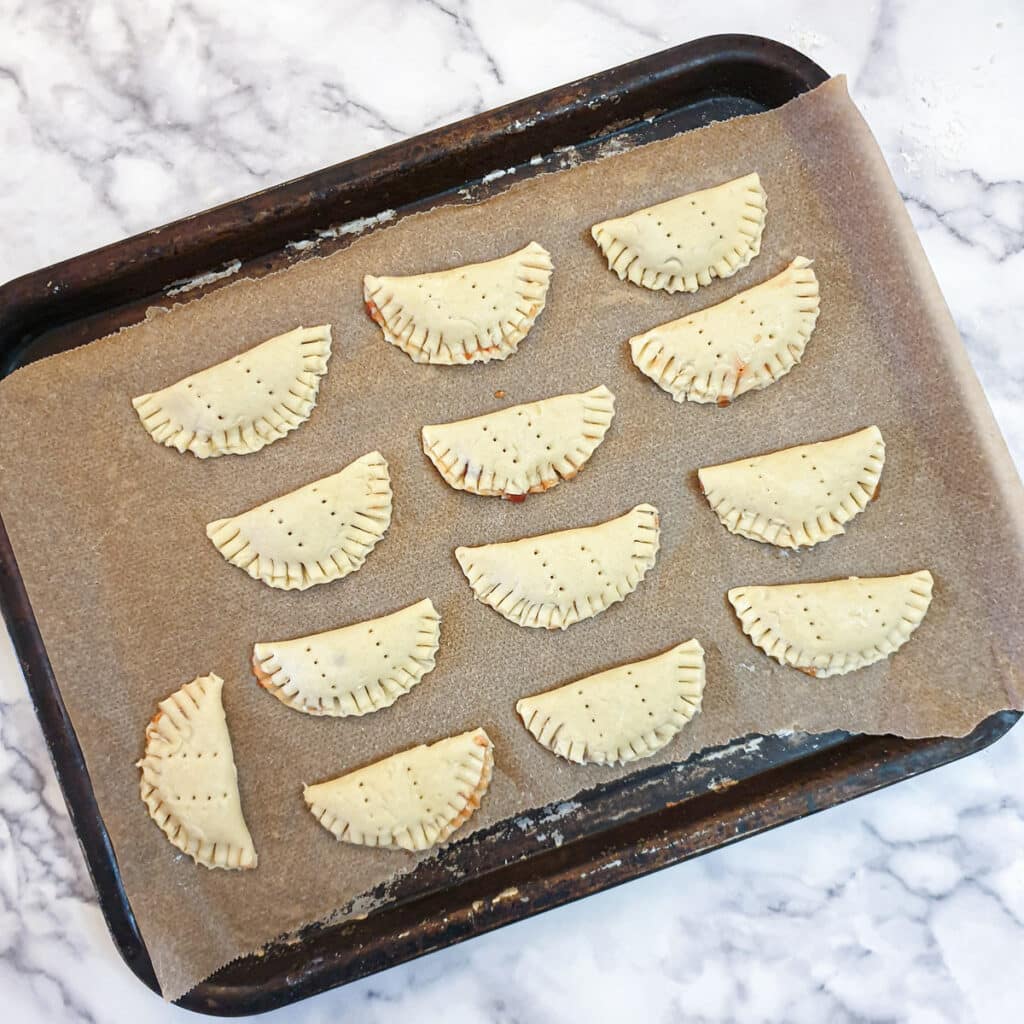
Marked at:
<point>412,800</point>
<point>827,629</point>
<point>189,780</point>
<point>621,715</point>
<point>469,314</point>
<point>556,579</point>
<point>319,533</point>
<point>740,345</point>
<point>242,404</point>
<point>687,242</point>
<point>353,670</point>
<point>798,496</point>
<point>523,449</point>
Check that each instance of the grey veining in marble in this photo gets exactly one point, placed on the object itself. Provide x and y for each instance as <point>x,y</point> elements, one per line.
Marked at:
<point>907,905</point>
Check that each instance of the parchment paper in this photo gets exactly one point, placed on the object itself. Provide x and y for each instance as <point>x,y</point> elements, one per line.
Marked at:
<point>133,600</point>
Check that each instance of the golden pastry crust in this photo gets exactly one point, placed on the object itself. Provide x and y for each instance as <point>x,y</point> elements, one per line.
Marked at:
<point>318,533</point>
<point>556,579</point>
<point>740,345</point>
<point>800,496</point>
<point>412,800</point>
<point>353,670</point>
<point>189,781</point>
<point>687,242</point>
<point>830,628</point>
<point>524,449</point>
<point>243,404</point>
<point>470,314</point>
<point>624,714</point>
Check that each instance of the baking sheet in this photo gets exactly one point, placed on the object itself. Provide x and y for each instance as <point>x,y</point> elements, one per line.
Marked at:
<point>132,599</point>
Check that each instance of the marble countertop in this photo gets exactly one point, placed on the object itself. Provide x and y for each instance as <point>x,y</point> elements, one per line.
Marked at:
<point>907,905</point>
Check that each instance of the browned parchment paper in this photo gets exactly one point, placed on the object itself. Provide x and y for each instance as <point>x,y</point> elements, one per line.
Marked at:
<point>133,600</point>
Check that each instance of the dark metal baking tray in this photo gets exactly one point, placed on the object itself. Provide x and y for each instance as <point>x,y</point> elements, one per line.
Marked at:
<point>557,854</point>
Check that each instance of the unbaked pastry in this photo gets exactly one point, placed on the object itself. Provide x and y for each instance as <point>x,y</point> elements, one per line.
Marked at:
<point>621,715</point>
<point>189,781</point>
<point>523,449</point>
<point>740,345</point>
<point>318,533</point>
<point>687,242</point>
<point>556,579</point>
<point>469,314</point>
<point>412,800</point>
<point>244,403</point>
<point>798,496</point>
<point>355,669</point>
<point>827,629</point>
